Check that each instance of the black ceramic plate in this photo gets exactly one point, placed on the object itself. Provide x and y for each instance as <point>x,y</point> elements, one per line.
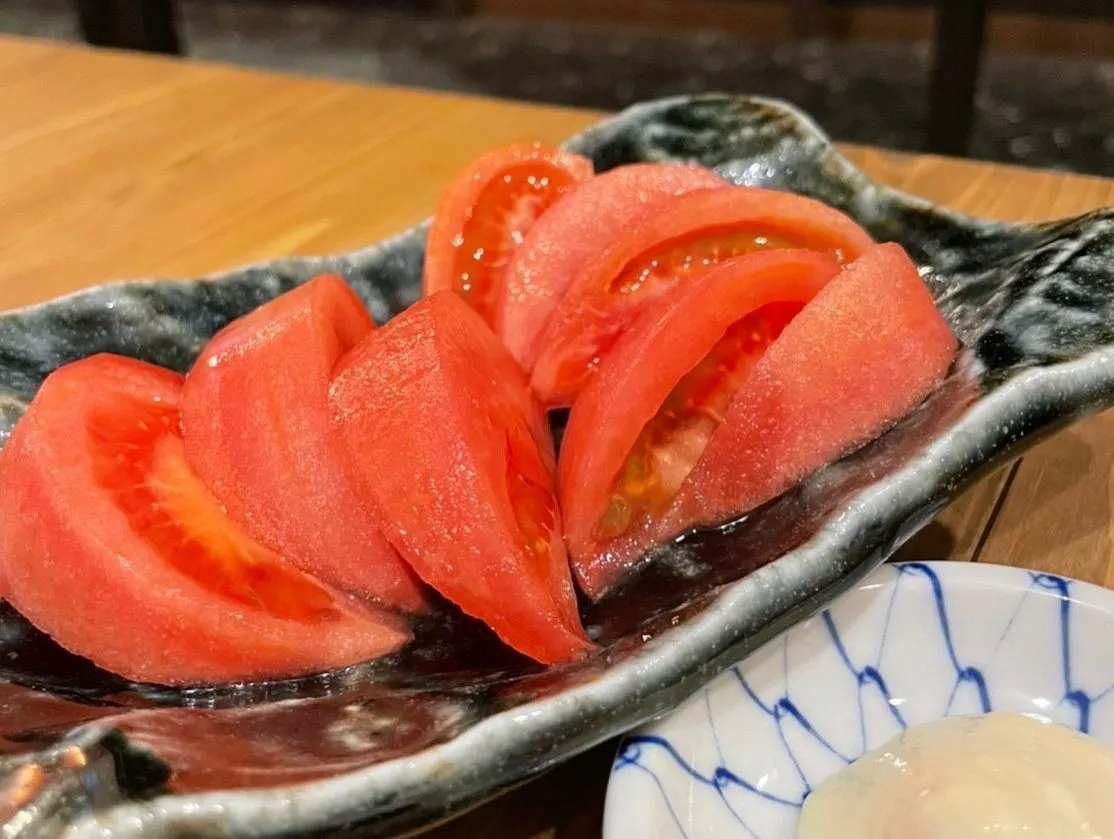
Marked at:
<point>455,718</point>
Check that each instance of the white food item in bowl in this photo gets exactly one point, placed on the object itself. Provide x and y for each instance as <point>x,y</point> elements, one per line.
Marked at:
<point>997,776</point>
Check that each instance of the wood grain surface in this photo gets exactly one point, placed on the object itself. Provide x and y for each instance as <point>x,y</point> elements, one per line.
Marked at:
<point>116,166</point>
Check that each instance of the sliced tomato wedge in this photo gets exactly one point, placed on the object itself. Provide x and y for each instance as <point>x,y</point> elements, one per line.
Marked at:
<point>256,420</point>
<point>681,237</point>
<point>864,353</point>
<point>484,214</point>
<point>454,449</point>
<point>113,547</point>
<point>640,426</point>
<point>569,234</point>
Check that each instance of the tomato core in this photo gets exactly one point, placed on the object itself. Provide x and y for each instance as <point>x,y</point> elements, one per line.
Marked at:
<point>497,224</point>
<point>671,443</point>
<point>141,463</point>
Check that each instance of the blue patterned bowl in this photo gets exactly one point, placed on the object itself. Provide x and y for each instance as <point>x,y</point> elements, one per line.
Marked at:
<point>914,643</point>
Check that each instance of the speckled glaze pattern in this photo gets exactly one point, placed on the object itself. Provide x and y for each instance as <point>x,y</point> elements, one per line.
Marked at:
<point>455,718</point>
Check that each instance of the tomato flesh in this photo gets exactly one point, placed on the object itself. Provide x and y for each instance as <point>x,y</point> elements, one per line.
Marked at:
<point>668,246</point>
<point>671,443</point>
<point>644,423</point>
<point>859,357</point>
<point>484,214</point>
<point>531,495</point>
<point>141,464</point>
<point>466,484</point>
<point>599,209</point>
<point>665,264</point>
<point>257,431</point>
<point>113,547</point>
<point>503,213</point>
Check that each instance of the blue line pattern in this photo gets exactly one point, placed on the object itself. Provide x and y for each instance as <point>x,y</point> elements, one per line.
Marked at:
<point>907,647</point>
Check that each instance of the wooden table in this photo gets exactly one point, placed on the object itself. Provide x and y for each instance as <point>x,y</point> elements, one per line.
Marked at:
<point>115,166</point>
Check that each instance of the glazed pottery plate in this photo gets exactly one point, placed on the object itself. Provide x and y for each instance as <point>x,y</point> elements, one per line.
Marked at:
<point>914,643</point>
<point>455,718</point>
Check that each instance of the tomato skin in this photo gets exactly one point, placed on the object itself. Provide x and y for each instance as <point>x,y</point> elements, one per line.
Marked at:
<point>592,315</point>
<point>76,568</point>
<point>569,233</point>
<point>863,354</point>
<point>462,206</point>
<point>467,477</point>
<point>666,341</point>
<point>256,420</point>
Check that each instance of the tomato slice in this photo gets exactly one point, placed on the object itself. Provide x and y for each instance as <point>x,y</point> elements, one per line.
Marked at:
<point>868,349</point>
<point>113,547</point>
<point>681,237</point>
<point>484,214</point>
<point>454,449</point>
<point>641,425</point>
<point>566,237</point>
<point>256,420</point>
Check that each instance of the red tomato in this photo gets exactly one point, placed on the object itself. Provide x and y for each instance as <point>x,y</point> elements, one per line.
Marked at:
<point>600,209</point>
<point>114,548</point>
<point>485,212</point>
<point>857,359</point>
<point>256,420</point>
<point>454,449</point>
<point>679,238</point>
<point>640,426</point>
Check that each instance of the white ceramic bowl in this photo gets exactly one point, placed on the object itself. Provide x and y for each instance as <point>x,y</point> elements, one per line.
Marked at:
<point>913,643</point>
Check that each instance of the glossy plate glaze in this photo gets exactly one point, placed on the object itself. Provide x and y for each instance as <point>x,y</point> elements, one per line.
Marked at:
<point>455,718</point>
<point>914,643</point>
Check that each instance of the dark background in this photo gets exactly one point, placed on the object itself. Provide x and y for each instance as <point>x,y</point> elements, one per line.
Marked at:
<point>1045,93</point>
